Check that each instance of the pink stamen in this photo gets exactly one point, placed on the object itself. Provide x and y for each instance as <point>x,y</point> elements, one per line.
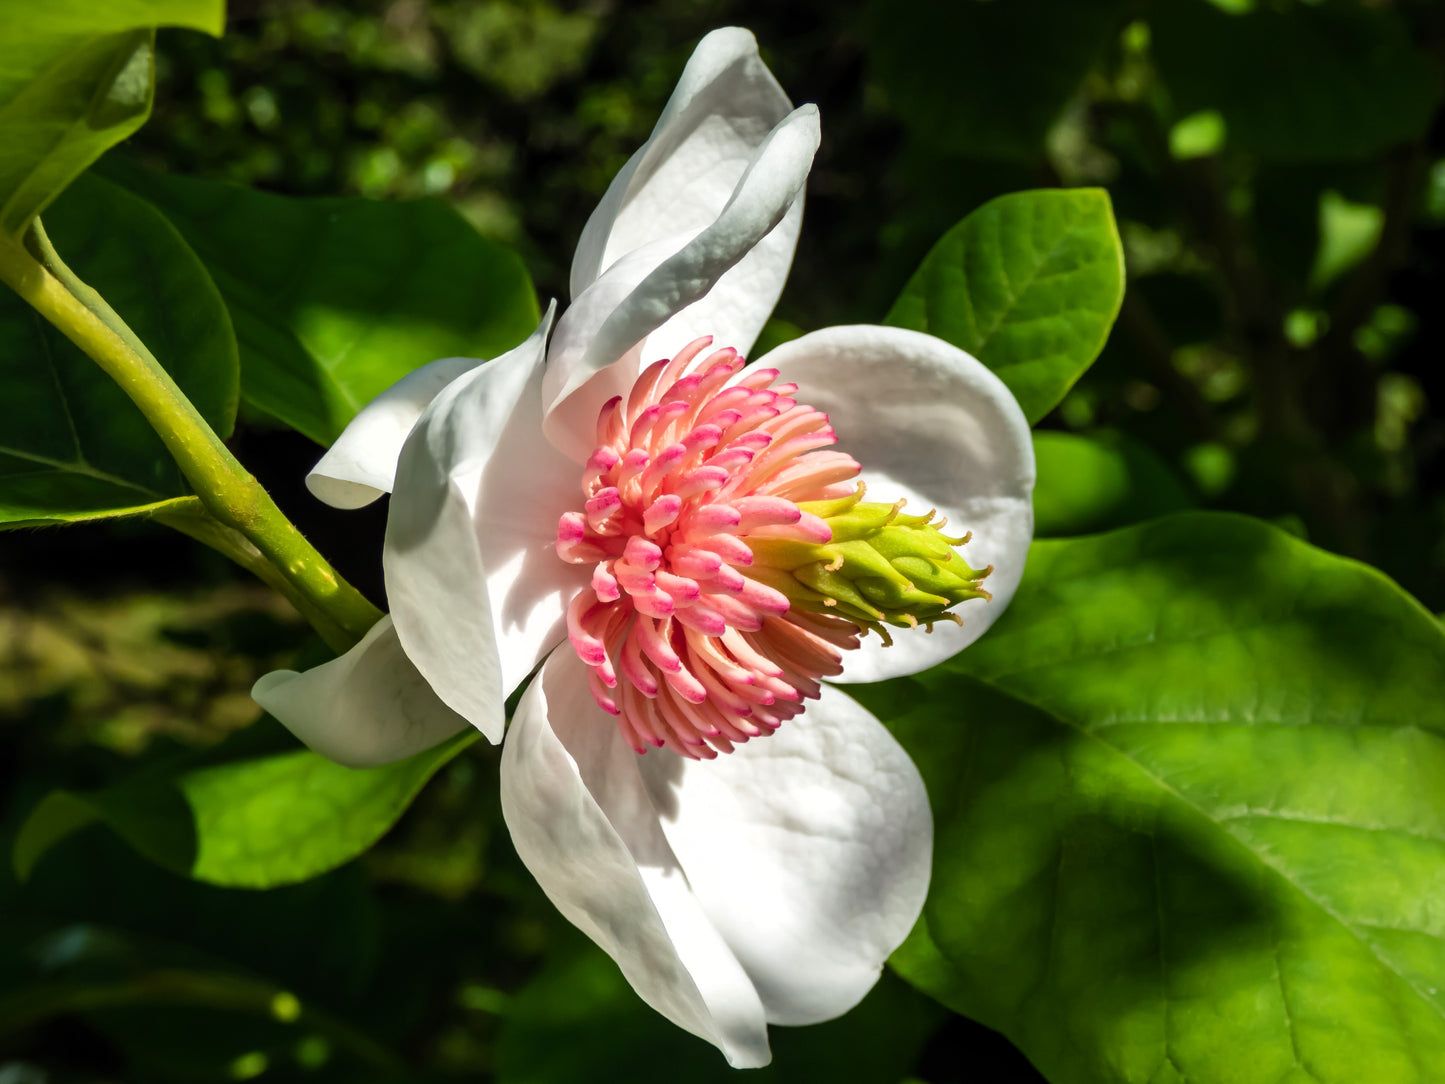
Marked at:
<point>681,644</point>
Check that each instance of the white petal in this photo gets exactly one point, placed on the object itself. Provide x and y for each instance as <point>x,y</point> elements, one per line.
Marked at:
<point>932,424</point>
<point>724,282</point>
<point>582,822</point>
<point>368,707</point>
<point>810,850</point>
<point>525,488</point>
<point>361,465</point>
<point>458,584</point>
<point>724,105</point>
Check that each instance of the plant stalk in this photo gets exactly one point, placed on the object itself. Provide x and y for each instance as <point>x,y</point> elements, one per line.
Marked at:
<point>246,523</point>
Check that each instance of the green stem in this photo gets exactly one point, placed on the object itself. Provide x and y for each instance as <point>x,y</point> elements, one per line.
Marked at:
<point>191,518</point>
<point>240,508</point>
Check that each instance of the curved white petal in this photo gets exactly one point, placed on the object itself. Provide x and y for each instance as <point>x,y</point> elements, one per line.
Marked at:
<point>649,304</point>
<point>361,465</point>
<point>932,424</point>
<point>809,850</point>
<point>582,822</point>
<point>475,606</point>
<point>526,487</point>
<point>734,311</point>
<point>368,707</point>
<point>723,106</point>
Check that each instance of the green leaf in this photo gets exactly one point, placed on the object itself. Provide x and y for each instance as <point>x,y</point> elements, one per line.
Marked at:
<point>75,79</point>
<point>336,299</point>
<point>985,79</point>
<point>286,818</point>
<point>1030,284</point>
<point>1303,82</point>
<point>580,1012</point>
<point>72,445</point>
<point>256,822</point>
<point>1190,806</point>
<point>1099,482</point>
<point>154,819</point>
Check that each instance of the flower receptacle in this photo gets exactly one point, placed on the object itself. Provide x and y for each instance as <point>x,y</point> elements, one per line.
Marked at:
<point>881,567</point>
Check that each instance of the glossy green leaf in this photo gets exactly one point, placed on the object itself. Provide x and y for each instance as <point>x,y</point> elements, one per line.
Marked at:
<point>336,299</point>
<point>985,80</point>
<point>75,79</point>
<point>153,818</point>
<point>289,817</point>
<point>1190,806</point>
<point>254,822</point>
<point>1030,284</point>
<point>1303,82</point>
<point>1099,482</point>
<point>580,1012</point>
<point>72,445</point>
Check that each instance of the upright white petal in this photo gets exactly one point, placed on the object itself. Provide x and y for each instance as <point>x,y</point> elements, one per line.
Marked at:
<point>809,850</point>
<point>582,822</point>
<point>932,424</point>
<point>723,107</point>
<point>361,465</point>
<point>476,436</point>
<point>651,310</point>
<point>368,707</point>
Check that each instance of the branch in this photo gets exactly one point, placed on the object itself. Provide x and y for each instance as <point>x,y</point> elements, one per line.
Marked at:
<point>232,498</point>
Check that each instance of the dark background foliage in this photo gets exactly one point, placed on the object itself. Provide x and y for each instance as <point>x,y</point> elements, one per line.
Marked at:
<point>1278,172</point>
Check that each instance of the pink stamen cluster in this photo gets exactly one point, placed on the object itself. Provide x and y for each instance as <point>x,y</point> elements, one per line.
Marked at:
<point>681,645</point>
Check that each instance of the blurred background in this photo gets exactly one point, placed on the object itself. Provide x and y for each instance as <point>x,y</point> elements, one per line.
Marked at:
<point>1278,173</point>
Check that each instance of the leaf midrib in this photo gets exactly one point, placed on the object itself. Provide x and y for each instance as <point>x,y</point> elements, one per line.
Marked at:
<point>80,465</point>
<point>82,468</point>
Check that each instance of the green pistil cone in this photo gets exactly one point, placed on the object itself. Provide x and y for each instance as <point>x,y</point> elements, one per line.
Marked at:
<point>881,567</point>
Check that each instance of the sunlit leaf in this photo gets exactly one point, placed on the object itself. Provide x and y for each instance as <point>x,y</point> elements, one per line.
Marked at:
<point>1189,808</point>
<point>72,445</point>
<point>336,299</point>
<point>1029,284</point>
<point>288,817</point>
<point>254,822</point>
<point>75,79</point>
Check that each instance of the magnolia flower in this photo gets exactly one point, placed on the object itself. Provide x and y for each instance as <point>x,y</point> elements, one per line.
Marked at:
<point>620,501</point>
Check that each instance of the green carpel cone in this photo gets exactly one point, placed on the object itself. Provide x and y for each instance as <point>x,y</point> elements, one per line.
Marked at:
<point>881,568</point>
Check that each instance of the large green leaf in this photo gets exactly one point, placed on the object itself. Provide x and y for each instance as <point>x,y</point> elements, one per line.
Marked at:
<point>1029,284</point>
<point>253,822</point>
<point>336,299</point>
<point>1098,482</point>
<point>1299,82</point>
<point>1190,805</point>
<point>72,445</point>
<point>75,79</point>
<point>986,79</point>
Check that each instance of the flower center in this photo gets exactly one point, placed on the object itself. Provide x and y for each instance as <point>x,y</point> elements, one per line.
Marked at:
<point>682,644</point>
